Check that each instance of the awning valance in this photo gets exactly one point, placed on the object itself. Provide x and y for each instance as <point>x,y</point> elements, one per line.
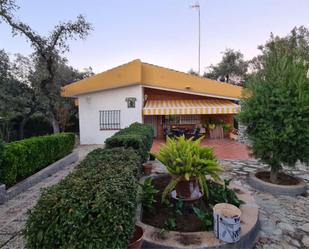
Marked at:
<point>185,107</point>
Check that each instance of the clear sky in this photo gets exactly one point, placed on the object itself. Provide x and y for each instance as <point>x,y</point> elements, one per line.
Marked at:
<point>162,32</point>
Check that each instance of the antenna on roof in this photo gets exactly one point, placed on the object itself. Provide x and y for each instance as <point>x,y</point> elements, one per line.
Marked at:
<point>197,6</point>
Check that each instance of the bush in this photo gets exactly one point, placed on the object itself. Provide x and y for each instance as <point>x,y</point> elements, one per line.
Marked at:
<point>137,136</point>
<point>1,150</point>
<point>21,159</point>
<point>94,207</point>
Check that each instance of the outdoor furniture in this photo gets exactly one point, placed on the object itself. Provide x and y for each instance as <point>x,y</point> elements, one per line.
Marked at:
<point>168,132</point>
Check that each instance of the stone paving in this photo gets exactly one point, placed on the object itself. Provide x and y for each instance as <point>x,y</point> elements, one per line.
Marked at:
<point>284,220</point>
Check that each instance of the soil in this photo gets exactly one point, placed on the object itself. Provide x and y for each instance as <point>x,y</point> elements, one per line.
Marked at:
<point>283,179</point>
<point>186,221</point>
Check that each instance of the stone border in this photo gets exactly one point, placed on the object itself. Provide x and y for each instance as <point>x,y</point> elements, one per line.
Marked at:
<point>7,194</point>
<point>290,190</point>
<point>206,240</point>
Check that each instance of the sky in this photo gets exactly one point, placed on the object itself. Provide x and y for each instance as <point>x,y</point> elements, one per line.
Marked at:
<point>161,32</point>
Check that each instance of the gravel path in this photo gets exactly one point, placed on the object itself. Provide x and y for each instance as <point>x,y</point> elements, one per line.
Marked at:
<point>284,220</point>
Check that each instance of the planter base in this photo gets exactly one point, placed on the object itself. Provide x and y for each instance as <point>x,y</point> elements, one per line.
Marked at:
<point>276,189</point>
<point>155,239</point>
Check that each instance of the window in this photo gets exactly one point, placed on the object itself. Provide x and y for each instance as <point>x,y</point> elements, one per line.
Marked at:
<point>110,120</point>
<point>131,102</point>
<point>181,119</point>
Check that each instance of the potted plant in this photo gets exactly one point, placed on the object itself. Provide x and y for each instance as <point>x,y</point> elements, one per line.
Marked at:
<point>147,167</point>
<point>227,128</point>
<point>189,163</point>
<point>136,241</point>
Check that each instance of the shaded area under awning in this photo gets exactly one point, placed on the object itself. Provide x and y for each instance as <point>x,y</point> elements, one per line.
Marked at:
<point>189,107</point>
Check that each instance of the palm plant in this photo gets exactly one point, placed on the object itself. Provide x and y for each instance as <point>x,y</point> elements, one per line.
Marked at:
<point>187,159</point>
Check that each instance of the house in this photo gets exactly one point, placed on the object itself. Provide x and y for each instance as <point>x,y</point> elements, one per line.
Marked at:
<point>146,93</point>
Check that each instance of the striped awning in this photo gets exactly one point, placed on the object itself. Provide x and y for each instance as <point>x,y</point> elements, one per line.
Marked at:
<point>183,107</point>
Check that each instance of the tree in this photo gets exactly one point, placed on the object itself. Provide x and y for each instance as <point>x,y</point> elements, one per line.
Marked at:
<point>275,108</point>
<point>47,50</point>
<point>295,44</point>
<point>17,97</point>
<point>192,72</point>
<point>232,68</point>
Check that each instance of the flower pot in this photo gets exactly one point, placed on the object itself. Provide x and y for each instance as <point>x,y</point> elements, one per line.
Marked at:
<point>137,240</point>
<point>147,168</point>
<point>187,189</point>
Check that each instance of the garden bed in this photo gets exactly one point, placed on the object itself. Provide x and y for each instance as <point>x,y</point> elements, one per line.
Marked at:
<point>287,184</point>
<point>283,179</point>
<point>191,234</point>
<point>176,215</point>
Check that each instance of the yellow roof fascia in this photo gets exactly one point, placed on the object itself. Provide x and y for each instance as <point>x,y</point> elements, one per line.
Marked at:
<point>137,72</point>
<point>157,76</point>
<point>124,75</point>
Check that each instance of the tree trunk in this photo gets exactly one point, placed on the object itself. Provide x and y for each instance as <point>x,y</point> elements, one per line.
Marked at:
<point>228,78</point>
<point>55,124</point>
<point>21,128</point>
<point>274,175</point>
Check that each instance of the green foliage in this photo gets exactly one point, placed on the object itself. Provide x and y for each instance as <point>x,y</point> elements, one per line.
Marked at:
<point>275,110</point>
<point>94,207</point>
<point>23,158</point>
<point>170,224</point>
<point>137,136</point>
<point>185,158</point>
<point>1,150</point>
<point>206,218</point>
<point>222,194</point>
<point>231,65</point>
<point>148,193</point>
<point>227,127</point>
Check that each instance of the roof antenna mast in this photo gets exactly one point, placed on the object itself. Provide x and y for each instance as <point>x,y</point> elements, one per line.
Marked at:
<point>197,6</point>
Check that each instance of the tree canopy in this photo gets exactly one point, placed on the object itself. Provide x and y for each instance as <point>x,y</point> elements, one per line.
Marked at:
<point>275,107</point>
<point>232,68</point>
<point>48,50</point>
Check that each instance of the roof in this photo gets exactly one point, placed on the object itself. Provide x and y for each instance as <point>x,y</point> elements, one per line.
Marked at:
<point>137,72</point>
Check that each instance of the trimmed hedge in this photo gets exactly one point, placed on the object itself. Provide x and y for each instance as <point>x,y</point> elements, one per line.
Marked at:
<point>21,159</point>
<point>137,136</point>
<point>94,207</point>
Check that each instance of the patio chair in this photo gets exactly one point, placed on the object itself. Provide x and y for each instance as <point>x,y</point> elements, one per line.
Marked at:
<point>196,133</point>
<point>168,132</point>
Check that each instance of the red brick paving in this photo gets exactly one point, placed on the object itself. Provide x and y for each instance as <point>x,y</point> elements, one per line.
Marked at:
<point>223,148</point>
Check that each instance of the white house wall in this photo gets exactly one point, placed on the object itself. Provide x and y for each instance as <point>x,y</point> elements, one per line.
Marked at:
<point>91,104</point>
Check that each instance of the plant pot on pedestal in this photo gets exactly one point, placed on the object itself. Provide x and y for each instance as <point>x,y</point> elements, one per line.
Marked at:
<point>187,189</point>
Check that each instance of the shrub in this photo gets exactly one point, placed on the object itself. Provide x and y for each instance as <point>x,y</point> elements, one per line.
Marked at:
<point>94,207</point>
<point>137,136</point>
<point>1,150</point>
<point>21,159</point>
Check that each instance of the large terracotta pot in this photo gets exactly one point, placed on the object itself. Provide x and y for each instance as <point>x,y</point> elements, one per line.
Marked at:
<point>147,168</point>
<point>137,241</point>
<point>187,189</point>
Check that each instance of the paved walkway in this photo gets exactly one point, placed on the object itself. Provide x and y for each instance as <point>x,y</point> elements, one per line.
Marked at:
<point>13,214</point>
<point>284,220</point>
<point>223,148</point>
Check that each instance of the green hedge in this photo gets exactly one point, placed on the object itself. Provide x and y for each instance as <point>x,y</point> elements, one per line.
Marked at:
<point>21,159</point>
<point>137,136</point>
<point>94,207</point>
